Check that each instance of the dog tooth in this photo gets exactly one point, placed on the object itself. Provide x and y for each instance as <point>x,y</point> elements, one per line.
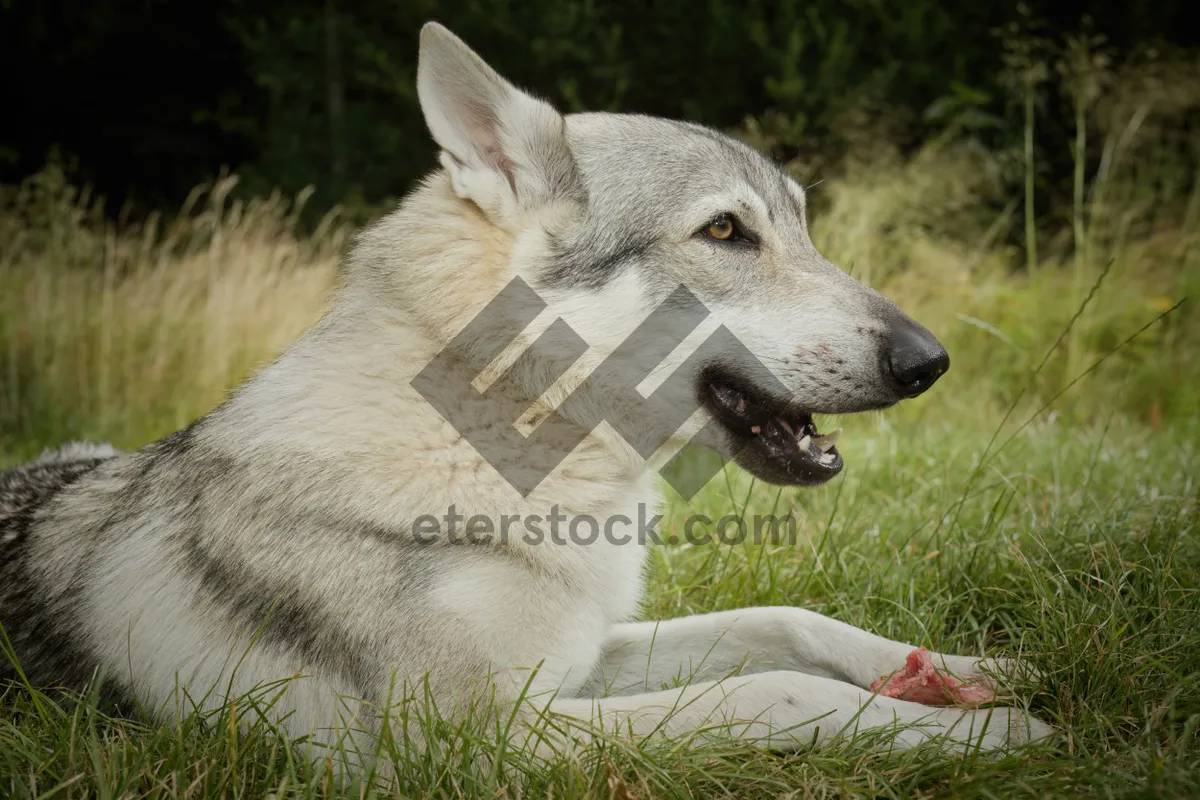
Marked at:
<point>787,425</point>
<point>805,442</point>
<point>826,442</point>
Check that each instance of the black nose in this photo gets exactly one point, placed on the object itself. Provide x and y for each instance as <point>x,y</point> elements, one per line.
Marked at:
<point>915,358</point>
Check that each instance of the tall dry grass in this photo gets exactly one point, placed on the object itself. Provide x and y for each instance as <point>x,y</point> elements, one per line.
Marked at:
<point>128,333</point>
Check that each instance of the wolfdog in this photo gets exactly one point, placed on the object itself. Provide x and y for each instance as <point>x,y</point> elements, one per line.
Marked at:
<point>273,539</point>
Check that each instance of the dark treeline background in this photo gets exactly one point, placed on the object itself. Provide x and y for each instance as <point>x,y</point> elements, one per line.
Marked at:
<point>145,99</point>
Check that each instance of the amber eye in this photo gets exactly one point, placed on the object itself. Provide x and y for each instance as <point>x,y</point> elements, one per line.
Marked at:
<point>721,228</point>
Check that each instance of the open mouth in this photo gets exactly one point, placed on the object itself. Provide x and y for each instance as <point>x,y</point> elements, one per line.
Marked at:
<point>771,438</point>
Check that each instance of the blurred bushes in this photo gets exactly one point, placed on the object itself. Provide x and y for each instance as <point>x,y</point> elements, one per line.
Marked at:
<point>153,100</point>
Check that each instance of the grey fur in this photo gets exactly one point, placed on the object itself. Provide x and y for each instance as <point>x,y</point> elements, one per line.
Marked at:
<point>43,629</point>
<point>271,539</point>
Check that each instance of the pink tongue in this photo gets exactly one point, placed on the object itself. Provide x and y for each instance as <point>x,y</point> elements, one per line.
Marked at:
<point>920,682</point>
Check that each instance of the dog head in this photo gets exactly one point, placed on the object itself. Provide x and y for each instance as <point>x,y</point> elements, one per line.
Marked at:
<point>609,214</point>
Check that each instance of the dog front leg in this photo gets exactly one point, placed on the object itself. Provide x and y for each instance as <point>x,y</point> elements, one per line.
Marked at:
<point>778,710</point>
<point>647,656</point>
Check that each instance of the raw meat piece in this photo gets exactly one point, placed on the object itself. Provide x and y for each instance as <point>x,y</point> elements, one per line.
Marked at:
<point>920,682</point>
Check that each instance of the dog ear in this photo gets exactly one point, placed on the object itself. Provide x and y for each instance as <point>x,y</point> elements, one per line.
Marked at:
<point>505,150</point>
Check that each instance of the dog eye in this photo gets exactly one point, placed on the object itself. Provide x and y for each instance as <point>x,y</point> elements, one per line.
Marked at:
<point>722,228</point>
<point>725,228</point>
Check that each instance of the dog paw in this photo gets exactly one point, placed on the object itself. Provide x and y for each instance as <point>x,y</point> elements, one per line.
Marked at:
<point>998,673</point>
<point>998,728</point>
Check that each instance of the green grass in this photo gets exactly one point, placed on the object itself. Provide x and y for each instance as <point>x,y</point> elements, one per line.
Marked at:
<point>1076,550</point>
